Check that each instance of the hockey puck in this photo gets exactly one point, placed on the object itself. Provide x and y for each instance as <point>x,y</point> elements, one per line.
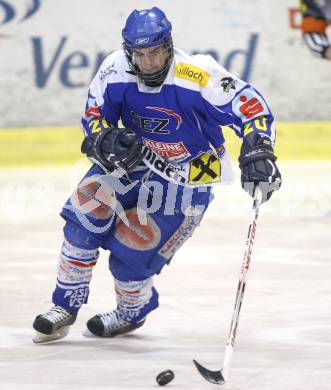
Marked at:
<point>165,377</point>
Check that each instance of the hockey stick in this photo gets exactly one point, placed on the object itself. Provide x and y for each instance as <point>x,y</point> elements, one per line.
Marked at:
<point>219,377</point>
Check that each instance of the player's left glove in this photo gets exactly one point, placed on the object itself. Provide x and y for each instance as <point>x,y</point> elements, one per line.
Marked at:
<point>258,166</point>
<point>113,148</point>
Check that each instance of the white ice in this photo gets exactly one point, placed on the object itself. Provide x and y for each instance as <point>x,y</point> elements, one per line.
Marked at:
<point>284,335</point>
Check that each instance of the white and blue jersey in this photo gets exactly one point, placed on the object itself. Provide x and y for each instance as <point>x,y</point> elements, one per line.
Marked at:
<point>181,120</point>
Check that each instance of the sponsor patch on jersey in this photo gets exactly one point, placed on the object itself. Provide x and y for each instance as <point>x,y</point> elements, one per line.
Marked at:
<point>220,151</point>
<point>228,83</point>
<point>107,71</point>
<point>92,108</point>
<point>174,151</point>
<point>202,170</point>
<point>205,168</point>
<point>192,73</point>
<point>151,125</point>
<point>93,111</point>
<point>248,104</point>
<point>169,170</point>
<point>170,113</point>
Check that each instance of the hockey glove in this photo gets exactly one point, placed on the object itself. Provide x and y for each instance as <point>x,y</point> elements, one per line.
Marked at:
<point>258,167</point>
<point>113,148</point>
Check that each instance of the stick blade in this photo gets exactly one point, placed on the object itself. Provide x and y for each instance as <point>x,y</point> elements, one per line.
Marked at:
<point>215,377</point>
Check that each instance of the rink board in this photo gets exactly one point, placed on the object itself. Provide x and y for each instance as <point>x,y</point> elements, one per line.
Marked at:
<point>61,145</point>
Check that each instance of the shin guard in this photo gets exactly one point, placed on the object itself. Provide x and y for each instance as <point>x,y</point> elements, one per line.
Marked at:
<point>74,273</point>
<point>135,299</point>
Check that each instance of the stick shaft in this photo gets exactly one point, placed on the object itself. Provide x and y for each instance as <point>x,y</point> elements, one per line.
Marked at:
<point>242,282</point>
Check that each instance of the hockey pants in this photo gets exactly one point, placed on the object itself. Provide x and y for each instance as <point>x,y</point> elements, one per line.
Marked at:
<point>139,248</point>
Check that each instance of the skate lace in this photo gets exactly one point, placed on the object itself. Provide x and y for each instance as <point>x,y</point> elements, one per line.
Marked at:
<point>57,314</point>
<point>112,320</point>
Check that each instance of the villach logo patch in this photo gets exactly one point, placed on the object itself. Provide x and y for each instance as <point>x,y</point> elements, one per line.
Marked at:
<point>192,73</point>
<point>10,13</point>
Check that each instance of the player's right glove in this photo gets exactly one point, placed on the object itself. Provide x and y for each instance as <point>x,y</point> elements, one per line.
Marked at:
<point>258,166</point>
<point>113,148</point>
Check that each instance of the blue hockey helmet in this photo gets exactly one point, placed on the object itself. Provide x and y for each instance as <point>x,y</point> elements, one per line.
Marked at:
<point>149,27</point>
<point>145,28</point>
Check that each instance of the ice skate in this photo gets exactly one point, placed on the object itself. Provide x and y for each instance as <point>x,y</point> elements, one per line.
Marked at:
<point>53,325</point>
<point>111,324</point>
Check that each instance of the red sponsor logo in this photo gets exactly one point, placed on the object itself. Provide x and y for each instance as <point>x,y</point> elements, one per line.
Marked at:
<point>93,111</point>
<point>251,107</point>
<point>168,150</point>
<point>93,199</point>
<point>135,235</point>
<point>170,113</point>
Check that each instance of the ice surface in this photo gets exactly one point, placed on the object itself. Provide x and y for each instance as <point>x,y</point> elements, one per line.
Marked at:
<point>284,335</point>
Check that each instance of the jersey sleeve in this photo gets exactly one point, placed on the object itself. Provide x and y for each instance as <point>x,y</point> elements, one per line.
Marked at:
<point>232,102</point>
<point>100,110</point>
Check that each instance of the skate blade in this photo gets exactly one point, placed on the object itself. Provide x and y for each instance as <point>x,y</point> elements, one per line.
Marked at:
<point>45,338</point>
<point>87,333</point>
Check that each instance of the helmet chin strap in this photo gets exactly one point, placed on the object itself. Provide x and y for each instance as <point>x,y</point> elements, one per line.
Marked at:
<point>155,79</point>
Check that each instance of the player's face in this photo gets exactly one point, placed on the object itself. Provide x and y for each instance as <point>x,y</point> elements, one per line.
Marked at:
<point>150,59</point>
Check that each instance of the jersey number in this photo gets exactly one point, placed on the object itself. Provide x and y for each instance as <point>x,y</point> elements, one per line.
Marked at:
<point>259,124</point>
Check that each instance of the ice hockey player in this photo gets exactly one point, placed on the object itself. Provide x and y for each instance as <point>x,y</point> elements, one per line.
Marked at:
<point>151,180</point>
<point>316,17</point>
